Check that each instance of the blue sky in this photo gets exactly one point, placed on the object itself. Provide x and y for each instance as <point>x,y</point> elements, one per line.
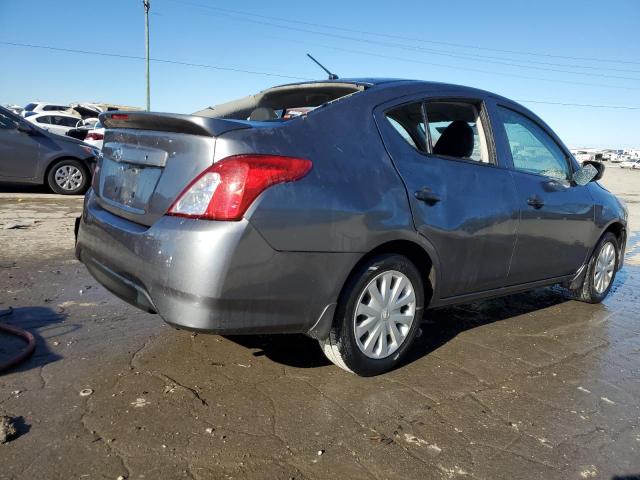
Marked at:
<point>464,42</point>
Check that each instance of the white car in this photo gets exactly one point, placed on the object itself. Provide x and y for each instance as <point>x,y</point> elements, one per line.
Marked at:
<point>630,164</point>
<point>55,122</point>
<point>41,107</point>
<point>95,136</point>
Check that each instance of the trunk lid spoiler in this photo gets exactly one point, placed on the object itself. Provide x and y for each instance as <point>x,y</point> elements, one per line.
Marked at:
<point>171,122</point>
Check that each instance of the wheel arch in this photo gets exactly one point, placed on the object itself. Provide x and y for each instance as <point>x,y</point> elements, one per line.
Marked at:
<point>414,252</point>
<point>619,230</point>
<point>426,262</point>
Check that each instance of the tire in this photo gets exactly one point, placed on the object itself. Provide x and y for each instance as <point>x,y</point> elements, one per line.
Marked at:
<point>382,347</point>
<point>604,261</point>
<point>68,177</point>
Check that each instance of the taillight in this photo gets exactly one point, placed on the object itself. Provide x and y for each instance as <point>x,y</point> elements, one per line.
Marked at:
<point>94,136</point>
<point>225,190</point>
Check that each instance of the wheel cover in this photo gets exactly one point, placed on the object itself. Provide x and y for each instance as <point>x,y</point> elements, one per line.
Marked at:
<point>68,177</point>
<point>384,314</point>
<point>604,267</point>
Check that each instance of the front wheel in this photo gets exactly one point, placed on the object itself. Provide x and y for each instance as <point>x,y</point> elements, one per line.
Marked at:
<point>377,316</point>
<point>601,271</point>
<point>68,177</point>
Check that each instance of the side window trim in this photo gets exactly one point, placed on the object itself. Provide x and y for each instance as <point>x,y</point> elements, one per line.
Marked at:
<point>541,127</point>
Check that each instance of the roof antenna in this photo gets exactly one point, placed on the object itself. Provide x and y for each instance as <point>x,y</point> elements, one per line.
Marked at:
<point>332,76</point>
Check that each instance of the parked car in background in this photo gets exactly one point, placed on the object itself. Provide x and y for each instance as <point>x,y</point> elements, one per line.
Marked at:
<point>81,132</point>
<point>40,107</point>
<point>95,136</point>
<point>630,164</point>
<point>15,109</point>
<point>30,154</point>
<point>386,198</point>
<point>55,122</point>
<point>86,110</point>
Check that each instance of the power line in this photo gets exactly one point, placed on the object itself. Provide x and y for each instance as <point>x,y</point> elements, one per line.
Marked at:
<point>158,60</point>
<point>412,39</point>
<point>621,107</point>
<point>454,67</point>
<point>465,56</point>
<point>255,72</point>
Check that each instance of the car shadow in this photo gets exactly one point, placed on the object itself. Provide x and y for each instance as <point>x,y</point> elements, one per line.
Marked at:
<point>442,325</point>
<point>38,321</point>
<point>6,187</point>
<point>292,350</point>
<point>439,327</point>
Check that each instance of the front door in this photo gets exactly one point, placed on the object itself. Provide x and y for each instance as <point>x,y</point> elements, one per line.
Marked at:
<point>19,151</point>
<point>462,199</point>
<point>556,215</point>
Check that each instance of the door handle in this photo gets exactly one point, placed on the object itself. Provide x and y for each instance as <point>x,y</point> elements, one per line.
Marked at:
<point>536,202</point>
<point>427,196</point>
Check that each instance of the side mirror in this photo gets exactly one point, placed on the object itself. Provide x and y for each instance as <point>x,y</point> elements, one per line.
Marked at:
<point>590,171</point>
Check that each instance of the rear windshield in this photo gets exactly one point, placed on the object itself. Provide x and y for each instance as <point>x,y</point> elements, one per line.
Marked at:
<point>30,107</point>
<point>282,103</point>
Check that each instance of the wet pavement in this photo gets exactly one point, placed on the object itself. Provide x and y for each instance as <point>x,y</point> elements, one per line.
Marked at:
<point>529,386</point>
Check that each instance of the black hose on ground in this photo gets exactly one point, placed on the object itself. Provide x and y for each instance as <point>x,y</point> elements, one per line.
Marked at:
<point>24,335</point>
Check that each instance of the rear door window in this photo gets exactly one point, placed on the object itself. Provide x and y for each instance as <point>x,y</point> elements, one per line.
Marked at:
<point>532,149</point>
<point>456,130</point>
<point>64,121</point>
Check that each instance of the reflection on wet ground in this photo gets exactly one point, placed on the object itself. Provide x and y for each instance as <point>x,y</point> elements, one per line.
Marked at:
<point>534,385</point>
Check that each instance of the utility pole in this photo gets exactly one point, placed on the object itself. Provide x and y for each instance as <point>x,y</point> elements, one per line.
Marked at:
<point>147,5</point>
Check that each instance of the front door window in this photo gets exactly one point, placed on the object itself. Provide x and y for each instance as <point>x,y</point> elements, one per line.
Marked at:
<point>532,149</point>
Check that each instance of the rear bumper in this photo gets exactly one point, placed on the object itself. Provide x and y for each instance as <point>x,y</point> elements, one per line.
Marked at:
<point>215,276</point>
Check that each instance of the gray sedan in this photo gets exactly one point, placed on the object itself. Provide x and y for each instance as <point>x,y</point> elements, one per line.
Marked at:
<point>29,154</point>
<point>384,199</point>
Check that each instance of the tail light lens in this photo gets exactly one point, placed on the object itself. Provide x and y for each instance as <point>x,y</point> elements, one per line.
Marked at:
<point>225,190</point>
<point>94,136</point>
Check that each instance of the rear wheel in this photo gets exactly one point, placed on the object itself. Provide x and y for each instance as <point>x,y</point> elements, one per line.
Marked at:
<point>377,317</point>
<point>68,177</point>
<point>601,271</point>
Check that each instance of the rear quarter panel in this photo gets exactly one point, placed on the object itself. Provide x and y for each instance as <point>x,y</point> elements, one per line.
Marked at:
<point>351,201</point>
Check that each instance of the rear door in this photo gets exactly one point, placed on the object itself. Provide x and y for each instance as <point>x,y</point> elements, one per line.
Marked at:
<point>556,215</point>
<point>462,199</point>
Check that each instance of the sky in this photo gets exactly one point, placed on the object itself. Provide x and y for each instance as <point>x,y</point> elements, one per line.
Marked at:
<point>556,52</point>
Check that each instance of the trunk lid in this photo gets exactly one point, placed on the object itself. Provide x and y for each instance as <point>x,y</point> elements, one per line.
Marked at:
<point>149,158</point>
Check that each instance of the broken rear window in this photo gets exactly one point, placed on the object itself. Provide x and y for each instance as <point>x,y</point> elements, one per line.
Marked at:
<point>282,103</point>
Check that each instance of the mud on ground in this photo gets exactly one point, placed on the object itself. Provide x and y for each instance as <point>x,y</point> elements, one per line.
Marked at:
<point>529,386</point>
